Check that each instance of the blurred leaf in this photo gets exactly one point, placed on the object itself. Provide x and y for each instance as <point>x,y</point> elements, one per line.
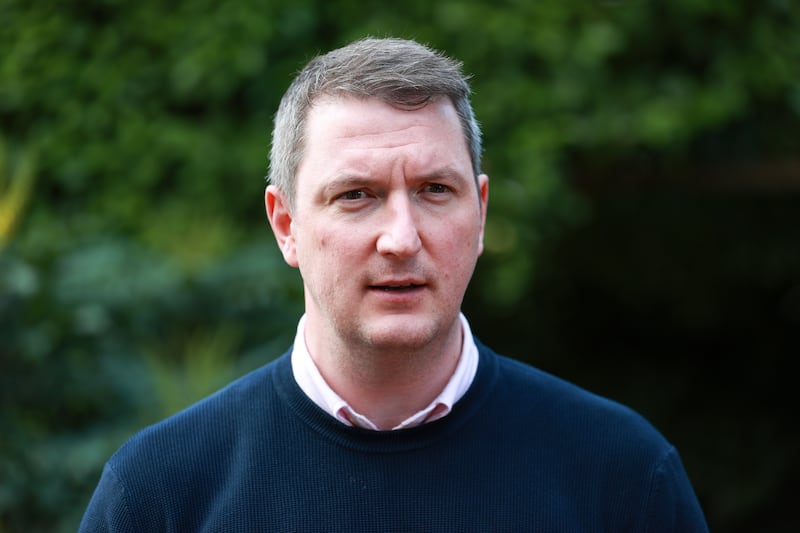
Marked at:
<point>16,182</point>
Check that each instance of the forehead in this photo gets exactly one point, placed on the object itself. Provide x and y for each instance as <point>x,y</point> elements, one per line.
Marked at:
<point>338,126</point>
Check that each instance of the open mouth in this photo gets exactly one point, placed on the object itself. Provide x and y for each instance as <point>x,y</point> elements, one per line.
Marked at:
<point>396,288</point>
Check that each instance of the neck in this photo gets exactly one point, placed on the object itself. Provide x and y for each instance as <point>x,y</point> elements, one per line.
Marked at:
<point>388,386</point>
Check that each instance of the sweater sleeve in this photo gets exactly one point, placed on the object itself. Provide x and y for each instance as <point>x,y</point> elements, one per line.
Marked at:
<point>672,505</point>
<point>107,510</point>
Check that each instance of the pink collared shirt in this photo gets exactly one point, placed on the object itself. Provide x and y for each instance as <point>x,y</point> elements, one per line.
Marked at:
<point>317,389</point>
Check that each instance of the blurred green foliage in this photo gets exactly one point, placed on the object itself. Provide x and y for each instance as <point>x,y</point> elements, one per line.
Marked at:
<point>645,176</point>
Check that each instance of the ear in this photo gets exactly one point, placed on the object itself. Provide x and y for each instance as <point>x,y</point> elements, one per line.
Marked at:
<point>280,218</point>
<point>483,190</point>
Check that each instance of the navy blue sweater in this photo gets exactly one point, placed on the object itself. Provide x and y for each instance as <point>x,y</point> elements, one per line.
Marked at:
<point>521,451</point>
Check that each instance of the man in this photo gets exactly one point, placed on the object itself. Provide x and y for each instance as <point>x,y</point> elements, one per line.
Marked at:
<point>387,414</point>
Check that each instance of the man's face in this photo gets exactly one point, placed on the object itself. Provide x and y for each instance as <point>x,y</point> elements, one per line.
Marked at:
<point>387,223</point>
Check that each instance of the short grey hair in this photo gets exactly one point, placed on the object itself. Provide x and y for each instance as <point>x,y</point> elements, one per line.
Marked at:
<point>399,72</point>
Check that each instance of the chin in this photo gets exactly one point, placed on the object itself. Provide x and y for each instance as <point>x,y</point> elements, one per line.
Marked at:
<point>402,336</point>
<point>399,344</point>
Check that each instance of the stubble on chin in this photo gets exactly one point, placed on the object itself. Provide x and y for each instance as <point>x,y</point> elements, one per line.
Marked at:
<point>403,349</point>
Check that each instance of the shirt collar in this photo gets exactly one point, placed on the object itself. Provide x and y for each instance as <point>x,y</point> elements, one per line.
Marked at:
<point>314,386</point>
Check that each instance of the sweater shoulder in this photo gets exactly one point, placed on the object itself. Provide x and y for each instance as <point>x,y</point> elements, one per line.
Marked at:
<point>212,421</point>
<point>574,410</point>
<point>190,456</point>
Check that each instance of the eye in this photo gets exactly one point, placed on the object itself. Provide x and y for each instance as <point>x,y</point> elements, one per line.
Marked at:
<point>437,188</point>
<point>352,195</point>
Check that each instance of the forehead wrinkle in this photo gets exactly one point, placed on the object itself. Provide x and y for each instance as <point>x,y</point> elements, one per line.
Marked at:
<point>384,138</point>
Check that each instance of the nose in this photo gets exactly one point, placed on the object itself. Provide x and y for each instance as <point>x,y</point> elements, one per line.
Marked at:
<point>399,232</point>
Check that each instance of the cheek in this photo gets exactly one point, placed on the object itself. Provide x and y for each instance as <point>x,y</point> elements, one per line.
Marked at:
<point>460,250</point>
<point>460,241</point>
<point>332,248</point>
<point>314,238</point>
<point>344,239</point>
<point>329,244</point>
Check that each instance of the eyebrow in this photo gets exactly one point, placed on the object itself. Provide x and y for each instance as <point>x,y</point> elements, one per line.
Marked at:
<point>345,182</point>
<point>446,174</point>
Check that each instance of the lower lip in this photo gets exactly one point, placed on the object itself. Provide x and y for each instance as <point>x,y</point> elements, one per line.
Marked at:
<point>398,295</point>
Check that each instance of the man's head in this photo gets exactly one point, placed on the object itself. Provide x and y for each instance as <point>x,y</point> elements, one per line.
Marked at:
<point>401,73</point>
<point>382,209</point>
